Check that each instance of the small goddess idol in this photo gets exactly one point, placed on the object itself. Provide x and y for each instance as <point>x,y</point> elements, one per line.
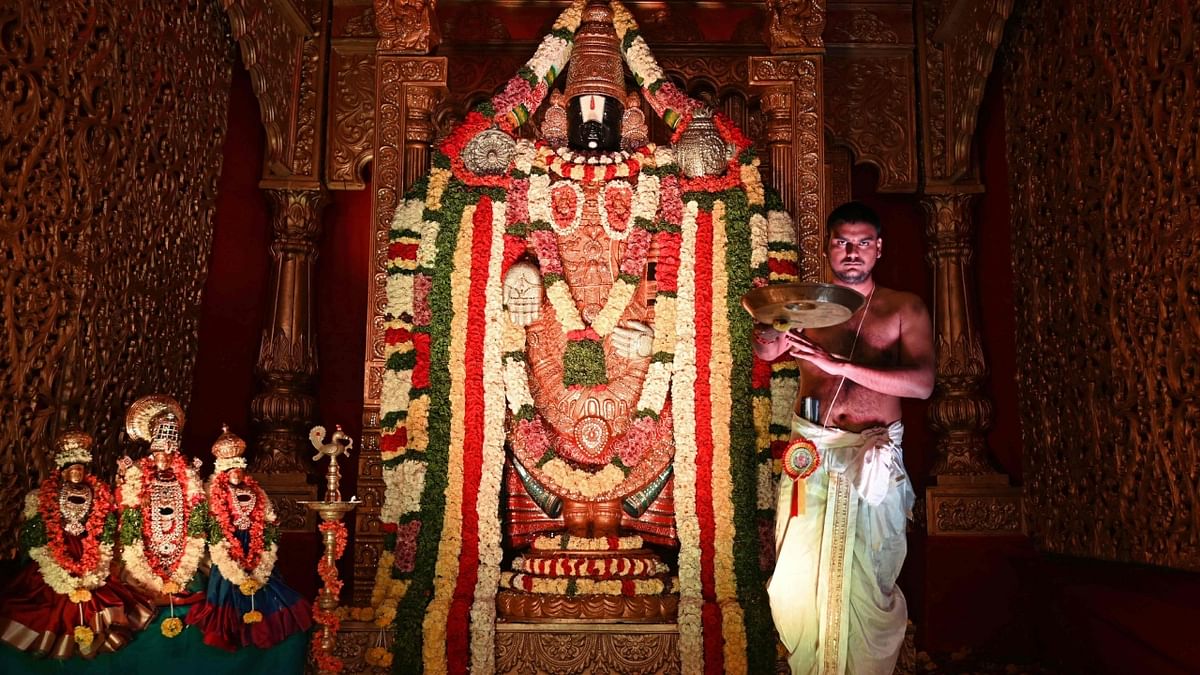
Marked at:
<point>246,602</point>
<point>163,513</point>
<point>66,603</point>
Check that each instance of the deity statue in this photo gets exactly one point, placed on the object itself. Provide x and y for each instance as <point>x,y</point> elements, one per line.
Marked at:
<point>164,516</point>
<point>568,386</point>
<point>246,603</point>
<point>66,602</point>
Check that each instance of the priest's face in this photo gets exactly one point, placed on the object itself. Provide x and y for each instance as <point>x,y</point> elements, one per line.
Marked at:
<point>594,124</point>
<point>853,250</point>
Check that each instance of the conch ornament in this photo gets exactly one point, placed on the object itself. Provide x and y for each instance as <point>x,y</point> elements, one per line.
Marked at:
<point>700,151</point>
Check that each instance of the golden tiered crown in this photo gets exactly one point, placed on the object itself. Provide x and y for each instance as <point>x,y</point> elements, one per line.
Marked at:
<point>156,418</point>
<point>228,449</point>
<point>73,447</point>
<point>596,65</point>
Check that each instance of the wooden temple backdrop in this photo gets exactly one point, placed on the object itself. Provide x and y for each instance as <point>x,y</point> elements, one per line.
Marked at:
<point>112,131</point>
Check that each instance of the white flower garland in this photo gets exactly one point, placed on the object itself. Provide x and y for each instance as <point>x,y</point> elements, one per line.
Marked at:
<point>134,555</point>
<point>569,543</point>
<point>232,571</point>
<point>404,484</point>
<point>691,643</point>
<point>582,483</point>
<point>487,504</point>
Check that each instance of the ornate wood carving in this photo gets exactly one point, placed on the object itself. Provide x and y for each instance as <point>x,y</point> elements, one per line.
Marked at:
<point>110,139</point>
<point>970,497</point>
<point>407,26</point>
<point>283,48</point>
<point>287,359</point>
<point>959,413</point>
<point>975,514</point>
<point>795,25</point>
<point>583,648</point>
<point>873,24</point>
<point>354,638</point>
<point>1102,147</point>
<point>959,42</point>
<point>872,109</point>
<point>351,114</point>
<point>796,81</point>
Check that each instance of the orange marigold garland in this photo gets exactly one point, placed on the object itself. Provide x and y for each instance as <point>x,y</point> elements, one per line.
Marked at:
<point>326,661</point>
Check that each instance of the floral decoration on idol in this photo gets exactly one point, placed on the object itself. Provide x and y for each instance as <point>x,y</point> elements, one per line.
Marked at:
<point>452,237</point>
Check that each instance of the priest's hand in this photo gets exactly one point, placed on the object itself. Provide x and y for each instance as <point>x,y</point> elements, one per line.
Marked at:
<point>633,340</point>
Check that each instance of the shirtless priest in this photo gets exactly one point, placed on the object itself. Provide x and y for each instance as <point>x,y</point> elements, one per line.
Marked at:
<point>844,496</point>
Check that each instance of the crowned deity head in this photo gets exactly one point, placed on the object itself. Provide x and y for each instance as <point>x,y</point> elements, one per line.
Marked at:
<point>228,450</point>
<point>72,454</point>
<point>157,419</point>
<point>597,113</point>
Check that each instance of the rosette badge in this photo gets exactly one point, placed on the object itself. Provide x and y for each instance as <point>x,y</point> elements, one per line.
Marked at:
<point>801,459</point>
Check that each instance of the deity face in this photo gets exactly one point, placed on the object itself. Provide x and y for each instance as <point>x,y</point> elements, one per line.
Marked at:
<point>75,473</point>
<point>162,460</point>
<point>594,124</point>
<point>236,476</point>
<point>853,250</point>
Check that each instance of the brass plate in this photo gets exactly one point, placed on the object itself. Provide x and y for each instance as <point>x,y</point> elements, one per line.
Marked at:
<point>805,305</point>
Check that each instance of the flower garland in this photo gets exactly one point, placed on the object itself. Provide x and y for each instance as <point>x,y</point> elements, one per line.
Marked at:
<point>63,573</point>
<point>604,568</point>
<point>147,569</point>
<point>248,569</point>
<point>524,92</point>
<point>572,586</point>
<point>325,660</point>
<point>566,542</point>
<point>669,103</point>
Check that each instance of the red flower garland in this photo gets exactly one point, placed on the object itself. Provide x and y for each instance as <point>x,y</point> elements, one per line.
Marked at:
<point>219,508</point>
<point>48,508</point>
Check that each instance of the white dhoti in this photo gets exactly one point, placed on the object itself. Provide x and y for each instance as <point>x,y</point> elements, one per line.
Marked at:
<point>833,595</point>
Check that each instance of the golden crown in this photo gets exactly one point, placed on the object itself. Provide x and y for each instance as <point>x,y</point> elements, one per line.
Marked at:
<point>156,418</point>
<point>228,445</point>
<point>596,65</point>
<point>73,447</point>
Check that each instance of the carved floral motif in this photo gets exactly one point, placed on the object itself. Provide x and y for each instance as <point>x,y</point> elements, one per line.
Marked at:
<point>111,140</point>
<point>1102,147</point>
<point>872,109</point>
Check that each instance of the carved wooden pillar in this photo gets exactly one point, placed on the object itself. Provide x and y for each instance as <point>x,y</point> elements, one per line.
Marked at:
<point>970,496</point>
<point>287,356</point>
<point>408,86</point>
<point>793,104</point>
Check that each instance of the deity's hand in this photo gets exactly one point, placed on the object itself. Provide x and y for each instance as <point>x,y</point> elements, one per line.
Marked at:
<point>633,340</point>
<point>523,293</point>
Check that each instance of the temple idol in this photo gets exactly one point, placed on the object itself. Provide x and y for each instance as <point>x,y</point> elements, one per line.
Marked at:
<point>653,336</point>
